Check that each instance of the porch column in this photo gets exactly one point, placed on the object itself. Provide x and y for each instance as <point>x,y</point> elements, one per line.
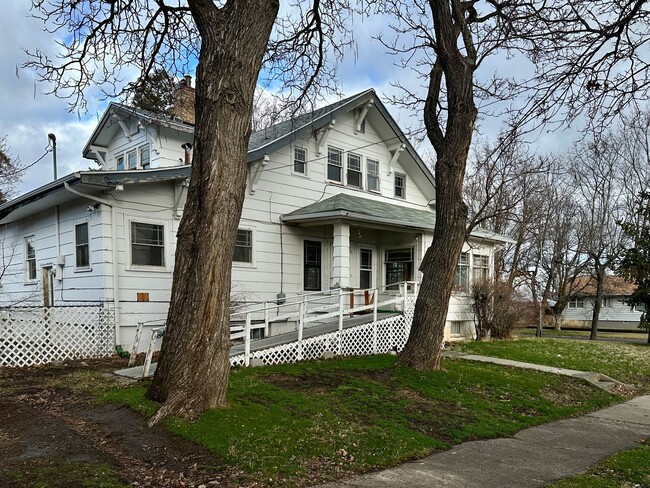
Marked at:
<point>341,256</point>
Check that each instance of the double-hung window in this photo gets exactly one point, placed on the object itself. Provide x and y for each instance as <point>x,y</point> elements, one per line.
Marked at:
<point>577,303</point>
<point>354,170</point>
<point>132,159</point>
<point>400,185</point>
<point>461,280</point>
<point>120,163</point>
<point>372,174</point>
<point>145,156</point>
<point>243,246</point>
<point>334,164</point>
<point>481,267</point>
<point>147,244</point>
<point>299,160</point>
<point>82,245</point>
<point>30,259</point>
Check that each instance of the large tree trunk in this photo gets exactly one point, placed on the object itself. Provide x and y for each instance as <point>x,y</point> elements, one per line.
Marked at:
<point>422,350</point>
<point>192,373</point>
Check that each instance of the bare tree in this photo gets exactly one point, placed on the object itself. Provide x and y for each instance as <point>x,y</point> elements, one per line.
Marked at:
<point>587,56</point>
<point>596,170</point>
<point>229,39</point>
<point>10,171</point>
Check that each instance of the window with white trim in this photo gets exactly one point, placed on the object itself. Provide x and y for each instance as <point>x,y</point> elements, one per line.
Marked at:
<point>354,170</point>
<point>461,280</point>
<point>299,160</point>
<point>147,244</point>
<point>577,303</point>
<point>400,185</point>
<point>372,174</point>
<point>120,163</point>
<point>145,156</point>
<point>132,159</point>
<point>334,164</point>
<point>30,259</point>
<point>82,245</point>
<point>481,267</point>
<point>456,328</point>
<point>243,246</point>
<point>312,266</point>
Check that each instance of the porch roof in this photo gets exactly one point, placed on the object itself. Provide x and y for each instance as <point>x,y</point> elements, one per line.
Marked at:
<point>363,210</point>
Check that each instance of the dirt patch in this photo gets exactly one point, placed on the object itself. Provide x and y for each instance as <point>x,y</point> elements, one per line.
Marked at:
<point>48,435</point>
<point>314,384</point>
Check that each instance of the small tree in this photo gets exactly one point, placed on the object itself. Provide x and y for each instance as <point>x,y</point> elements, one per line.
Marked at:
<point>635,261</point>
<point>10,171</point>
<point>482,294</point>
<point>155,92</point>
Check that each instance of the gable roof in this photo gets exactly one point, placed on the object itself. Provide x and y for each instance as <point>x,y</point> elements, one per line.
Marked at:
<point>613,286</point>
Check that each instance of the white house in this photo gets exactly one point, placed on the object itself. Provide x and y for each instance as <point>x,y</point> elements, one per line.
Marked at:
<point>335,198</point>
<point>614,311</point>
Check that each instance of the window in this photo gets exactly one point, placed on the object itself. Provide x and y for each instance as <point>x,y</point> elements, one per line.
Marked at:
<point>30,259</point>
<point>120,163</point>
<point>456,328</point>
<point>577,303</point>
<point>365,269</point>
<point>372,174</point>
<point>354,170</point>
<point>334,164</point>
<point>399,267</point>
<point>147,244</point>
<point>82,245</point>
<point>312,266</point>
<point>400,185</point>
<point>145,157</point>
<point>461,280</point>
<point>299,160</point>
<point>243,246</point>
<point>132,159</point>
<point>481,267</point>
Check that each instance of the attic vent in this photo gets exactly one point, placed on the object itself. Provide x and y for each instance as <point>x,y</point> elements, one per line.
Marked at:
<point>362,127</point>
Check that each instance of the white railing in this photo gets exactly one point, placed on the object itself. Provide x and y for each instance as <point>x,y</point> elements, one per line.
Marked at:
<point>41,335</point>
<point>309,308</point>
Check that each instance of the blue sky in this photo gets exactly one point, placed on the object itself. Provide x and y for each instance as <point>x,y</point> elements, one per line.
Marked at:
<point>28,114</point>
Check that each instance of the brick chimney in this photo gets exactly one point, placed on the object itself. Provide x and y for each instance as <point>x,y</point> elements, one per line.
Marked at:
<point>184,100</point>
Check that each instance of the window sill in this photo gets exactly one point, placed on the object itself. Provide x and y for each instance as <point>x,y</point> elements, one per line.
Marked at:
<point>155,269</point>
<point>85,269</point>
<point>243,264</point>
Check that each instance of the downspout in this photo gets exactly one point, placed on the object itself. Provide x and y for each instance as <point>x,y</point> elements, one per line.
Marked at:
<point>116,287</point>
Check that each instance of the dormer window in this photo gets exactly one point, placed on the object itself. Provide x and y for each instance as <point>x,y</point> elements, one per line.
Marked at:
<point>299,160</point>
<point>132,159</point>
<point>145,157</point>
<point>120,163</point>
<point>400,186</point>
<point>372,174</point>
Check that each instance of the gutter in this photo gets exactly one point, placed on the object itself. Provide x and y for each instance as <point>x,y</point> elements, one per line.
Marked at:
<point>116,287</point>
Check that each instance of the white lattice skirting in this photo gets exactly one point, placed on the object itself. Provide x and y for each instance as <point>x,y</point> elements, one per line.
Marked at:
<point>372,338</point>
<point>30,336</point>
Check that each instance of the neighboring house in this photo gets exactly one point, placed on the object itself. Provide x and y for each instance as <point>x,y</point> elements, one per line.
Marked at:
<point>335,198</point>
<point>613,313</point>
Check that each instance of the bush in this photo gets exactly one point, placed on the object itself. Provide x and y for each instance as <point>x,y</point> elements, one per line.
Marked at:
<point>497,309</point>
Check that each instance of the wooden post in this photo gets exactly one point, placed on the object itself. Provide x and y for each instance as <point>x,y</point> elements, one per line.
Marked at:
<point>247,341</point>
<point>266,319</point>
<point>404,297</point>
<point>374,324</point>
<point>136,344</point>
<point>351,302</point>
<point>340,348</point>
<point>301,326</point>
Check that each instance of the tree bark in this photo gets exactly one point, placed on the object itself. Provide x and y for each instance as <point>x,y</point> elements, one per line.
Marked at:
<point>422,350</point>
<point>192,372</point>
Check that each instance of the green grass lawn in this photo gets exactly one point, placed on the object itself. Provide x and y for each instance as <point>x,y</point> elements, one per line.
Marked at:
<point>640,336</point>
<point>295,424</point>
<point>625,469</point>
<point>629,363</point>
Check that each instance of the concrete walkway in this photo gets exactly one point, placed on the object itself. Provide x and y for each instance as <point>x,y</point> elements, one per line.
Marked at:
<point>531,458</point>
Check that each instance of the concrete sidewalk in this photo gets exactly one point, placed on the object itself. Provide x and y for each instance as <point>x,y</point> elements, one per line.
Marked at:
<point>533,457</point>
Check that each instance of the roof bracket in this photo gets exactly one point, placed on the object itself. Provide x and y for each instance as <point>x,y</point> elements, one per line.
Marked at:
<point>362,115</point>
<point>321,136</point>
<point>256,172</point>
<point>152,134</point>
<point>396,150</point>
<point>98,150</point>
<point>123,126</point>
